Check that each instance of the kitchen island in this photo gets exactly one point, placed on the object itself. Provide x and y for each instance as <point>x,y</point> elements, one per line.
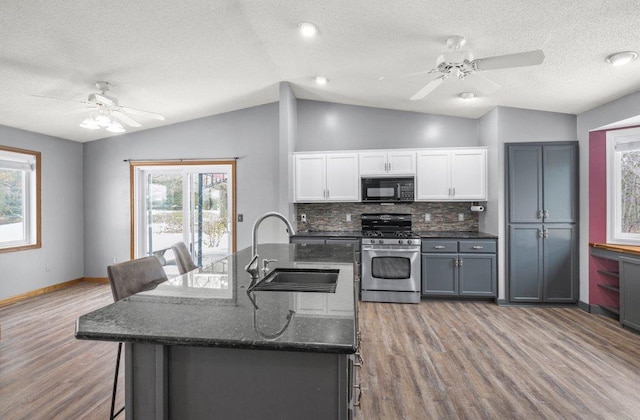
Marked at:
<point>202,346</point>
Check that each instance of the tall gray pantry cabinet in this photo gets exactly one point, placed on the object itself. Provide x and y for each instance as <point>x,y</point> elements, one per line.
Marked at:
<point>542,222</point>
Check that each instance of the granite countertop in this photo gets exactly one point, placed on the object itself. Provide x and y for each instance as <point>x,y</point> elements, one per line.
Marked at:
<point>211,307</point>
<point>422,234</point>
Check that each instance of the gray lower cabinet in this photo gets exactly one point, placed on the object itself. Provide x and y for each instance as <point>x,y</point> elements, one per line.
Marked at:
<point>543,263</point>
<point>459,268</point>
<point>185,382</point>
<point>630,292</point>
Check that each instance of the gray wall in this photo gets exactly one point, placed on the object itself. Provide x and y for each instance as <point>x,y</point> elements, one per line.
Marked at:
<point>251,134</point>
<point>612,112</point>
<point>329,126</point>
<point>62,214</point>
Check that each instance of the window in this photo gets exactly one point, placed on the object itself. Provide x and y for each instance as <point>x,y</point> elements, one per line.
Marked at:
<point>19,199</point>
<point>623,186</point>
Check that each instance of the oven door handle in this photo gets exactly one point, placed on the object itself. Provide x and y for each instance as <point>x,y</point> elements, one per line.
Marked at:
<point>392,250</point>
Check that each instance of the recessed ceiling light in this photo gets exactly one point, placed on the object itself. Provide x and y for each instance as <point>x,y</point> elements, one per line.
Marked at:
<point>621,58</point>
<point>321,80</point>
<point>467,95</point>
<point>308,29</point>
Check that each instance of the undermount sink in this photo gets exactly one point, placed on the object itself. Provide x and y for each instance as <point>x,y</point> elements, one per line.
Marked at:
<point>300,280</point>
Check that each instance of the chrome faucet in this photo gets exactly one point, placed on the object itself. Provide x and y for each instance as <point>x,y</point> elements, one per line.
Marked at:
<point>252,268</point>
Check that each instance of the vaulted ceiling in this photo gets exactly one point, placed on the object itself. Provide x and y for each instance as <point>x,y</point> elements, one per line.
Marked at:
<point>193,58</point>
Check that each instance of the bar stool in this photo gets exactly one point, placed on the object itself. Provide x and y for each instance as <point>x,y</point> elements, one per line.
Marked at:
<point>183,258</point>
<point>128,278</point>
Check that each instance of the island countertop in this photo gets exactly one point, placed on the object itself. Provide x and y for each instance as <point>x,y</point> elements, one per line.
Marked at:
<point>210,307</point>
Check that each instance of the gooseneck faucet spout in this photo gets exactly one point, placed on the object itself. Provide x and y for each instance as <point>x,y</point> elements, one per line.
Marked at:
<point>252,268</point>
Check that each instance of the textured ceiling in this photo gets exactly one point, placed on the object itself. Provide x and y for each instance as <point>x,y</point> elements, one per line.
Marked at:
<point>192,58</point>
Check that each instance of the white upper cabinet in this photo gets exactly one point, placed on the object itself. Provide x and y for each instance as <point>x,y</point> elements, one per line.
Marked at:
<point>433,181</point>
<point>326,177</point>
<point>452,175</point>
<point>388,162</point>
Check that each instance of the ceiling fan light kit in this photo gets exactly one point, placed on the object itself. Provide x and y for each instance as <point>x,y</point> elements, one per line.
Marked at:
<point>621,58</point>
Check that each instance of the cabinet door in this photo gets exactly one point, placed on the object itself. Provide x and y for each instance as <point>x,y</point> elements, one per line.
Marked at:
<point>525,263</point>
<point>560,173</point>
<point>309,181</point>
<point>525,184</point>
<point>433,179</point>
<point>401,163</point>
<point>630,292</point>
<point>469,175</point>
<point>477,275</point>
<point>343,181</point>
<point>439,274</point>
<point>373,163</point>
<point>560,263</point>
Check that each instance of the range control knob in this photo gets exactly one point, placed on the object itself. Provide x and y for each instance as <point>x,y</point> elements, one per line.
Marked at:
<point>381,241</point>
<point>400,241</point>
<point>409,242</point>
<point>373,241</point>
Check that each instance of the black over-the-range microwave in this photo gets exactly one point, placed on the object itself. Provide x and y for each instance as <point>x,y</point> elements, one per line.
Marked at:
<point>388,190</point>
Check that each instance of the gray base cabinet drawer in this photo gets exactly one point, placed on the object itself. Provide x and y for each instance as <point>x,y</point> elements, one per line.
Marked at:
<point>439,246</point>
<point>484,247</point>
<point>465,268</point>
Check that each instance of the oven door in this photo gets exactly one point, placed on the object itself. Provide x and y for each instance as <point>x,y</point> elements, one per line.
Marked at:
<point>391,269</point>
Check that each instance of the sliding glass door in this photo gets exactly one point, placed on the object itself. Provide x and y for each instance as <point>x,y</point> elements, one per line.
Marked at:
<point>192,203</point>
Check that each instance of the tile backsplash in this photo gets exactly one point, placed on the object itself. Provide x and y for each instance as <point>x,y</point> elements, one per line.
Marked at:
<point>333,216</point>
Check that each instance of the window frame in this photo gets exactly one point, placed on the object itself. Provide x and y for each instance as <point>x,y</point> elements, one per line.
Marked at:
<point>33,214</point>
<point>614,186</point>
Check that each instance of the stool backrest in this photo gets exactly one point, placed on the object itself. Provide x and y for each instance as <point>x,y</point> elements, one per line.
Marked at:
<point>183,258</point>
<point>130,277</point>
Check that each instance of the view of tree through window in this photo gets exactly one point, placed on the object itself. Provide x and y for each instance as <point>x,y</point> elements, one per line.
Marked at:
<point>630,191</point>
<point>19,199</point>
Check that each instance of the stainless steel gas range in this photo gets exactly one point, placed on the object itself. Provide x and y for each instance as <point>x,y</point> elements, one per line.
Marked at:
<point>390,259</point>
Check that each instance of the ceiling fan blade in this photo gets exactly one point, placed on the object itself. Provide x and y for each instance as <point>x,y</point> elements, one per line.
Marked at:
<point>430,87</point>
<point>529,58</point>
<point>81,110</point>
<point>126,119</point>
<point>62,99</point>
<point>142,113</point>
<point>481,83</point>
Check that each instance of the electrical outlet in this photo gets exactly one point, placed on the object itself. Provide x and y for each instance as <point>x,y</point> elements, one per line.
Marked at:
<point>47,268</point>
<point>348,217</point>
<point>460,217</point>
<point>303,218</point>
<point>114,260</point>
<point>427,217</point>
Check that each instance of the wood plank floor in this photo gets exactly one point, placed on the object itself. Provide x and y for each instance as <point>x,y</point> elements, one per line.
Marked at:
<point>435,360</point>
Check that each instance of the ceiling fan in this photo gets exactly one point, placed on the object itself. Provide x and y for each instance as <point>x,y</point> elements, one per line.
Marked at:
<point>459,63</point>
<point>106,111</point>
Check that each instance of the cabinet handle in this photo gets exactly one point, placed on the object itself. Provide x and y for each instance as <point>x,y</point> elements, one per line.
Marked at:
<point>540,233</point>
<point>449,190</point>
<point>358,400</point>
<point>456,263</point>
<point>477,247</point>
<point>328,194</point>
<point>460,262</point>
<point>539,214</point>
<point>389,166</point>
<point>454,191</point>
<point>545,214</point>
<point>545,233</point>
<point>439,247</point>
